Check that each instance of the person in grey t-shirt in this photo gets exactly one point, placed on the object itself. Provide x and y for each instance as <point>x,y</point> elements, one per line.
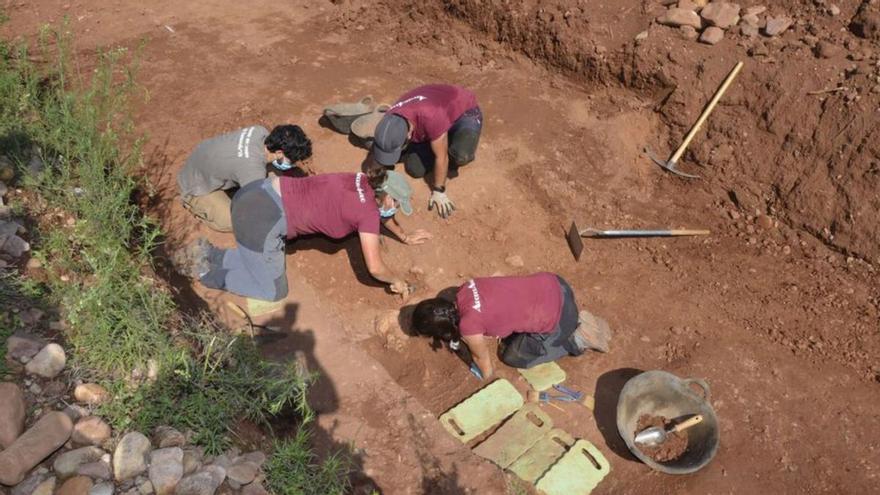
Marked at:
<point>233,160</point>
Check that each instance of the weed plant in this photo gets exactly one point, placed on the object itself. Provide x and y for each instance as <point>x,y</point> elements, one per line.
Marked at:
<point>71,134</point>
<point>294,469</point>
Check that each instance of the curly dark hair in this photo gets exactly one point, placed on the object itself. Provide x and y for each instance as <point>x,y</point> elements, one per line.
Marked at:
<point>376,174</point>
<point>291,140</point>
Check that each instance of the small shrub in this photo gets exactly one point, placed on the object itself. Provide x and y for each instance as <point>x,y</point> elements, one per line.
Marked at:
<point>293,469</point>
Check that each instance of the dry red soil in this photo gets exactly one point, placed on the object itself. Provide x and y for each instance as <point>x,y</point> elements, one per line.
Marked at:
<point>777,309</point>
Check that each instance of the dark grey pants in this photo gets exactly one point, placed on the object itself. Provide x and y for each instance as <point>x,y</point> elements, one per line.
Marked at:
<point>464,138</point>
<point>255,268</point>
<point>524,350</point>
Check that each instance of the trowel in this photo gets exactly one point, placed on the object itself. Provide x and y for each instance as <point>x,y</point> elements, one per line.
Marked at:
<point>656,435</point>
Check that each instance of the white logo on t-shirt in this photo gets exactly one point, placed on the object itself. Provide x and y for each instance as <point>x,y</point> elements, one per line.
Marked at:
<point>472,285</point>
<point>244,142</point>
<point>408,100</point>
<point>357,185</point>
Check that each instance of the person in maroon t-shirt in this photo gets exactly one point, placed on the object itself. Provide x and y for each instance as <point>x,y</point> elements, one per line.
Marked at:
<point>535,316</point>
<point>268,212</point>
<point>434,127</point>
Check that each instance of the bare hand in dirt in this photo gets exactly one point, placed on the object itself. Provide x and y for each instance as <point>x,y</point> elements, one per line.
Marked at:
<point>417,237</point>
<point>401,287</point>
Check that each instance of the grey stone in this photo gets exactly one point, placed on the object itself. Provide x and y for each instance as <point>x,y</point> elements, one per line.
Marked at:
<point>129,459</point>
<point>777,25</point>
<point>13,411</point>
<point>98,470</point>
<point>146,488</point>
<point>22,345</point>
<point>166,469</point>
<point>90,430</point>
<point>242,472</point>
<point>47,487</point>
<point>257,457</point>
<point>192,460</point>
<point>49,362</point>
<point>42,439</point>
<point>712,35</point>
<point>66,464</point>
<point>204,482</point>
<point>102,489</point>
<point>748,30</point>
<point>254,488</point>
<point>30,484</point>
<point>688,32</point>
<point>166,436</point>
<point>680,17</point>
<point>721,14</point>
<point>751,20</point>
<point>755,10</point>
<point>834,10</point>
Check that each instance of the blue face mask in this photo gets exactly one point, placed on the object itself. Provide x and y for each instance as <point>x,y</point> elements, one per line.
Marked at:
<point>282,165</point>
<point>387,213</point>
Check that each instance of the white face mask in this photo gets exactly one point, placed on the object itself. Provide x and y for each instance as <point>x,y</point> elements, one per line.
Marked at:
<point>282,164</point>
<point>387,213</point>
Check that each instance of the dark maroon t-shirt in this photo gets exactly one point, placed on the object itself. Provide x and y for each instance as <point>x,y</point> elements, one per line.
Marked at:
<point>500,306</point>
<point>331,204</point>
<point>432,109</point>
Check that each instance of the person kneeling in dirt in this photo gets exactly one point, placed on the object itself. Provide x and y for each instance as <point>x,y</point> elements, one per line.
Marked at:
<point>267,212</point>
<point>535,316</point>
<point>436,128</point>
<point>233,160</point>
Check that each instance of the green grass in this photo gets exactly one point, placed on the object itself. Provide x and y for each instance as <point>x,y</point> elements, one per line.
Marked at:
<point>121,320</point>
<point>293,469</point>
<point>15,293</point>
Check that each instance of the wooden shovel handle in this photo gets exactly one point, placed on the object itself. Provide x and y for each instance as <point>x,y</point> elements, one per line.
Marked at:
<point>689,232</point>
<point>706,112</point>
<point>687,423</point>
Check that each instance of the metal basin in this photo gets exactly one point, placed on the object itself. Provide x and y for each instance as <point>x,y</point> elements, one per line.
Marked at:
<point>663,394</point>
<point>365,126</point>
<point>342,115</point>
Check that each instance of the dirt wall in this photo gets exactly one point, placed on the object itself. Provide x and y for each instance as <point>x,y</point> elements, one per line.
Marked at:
<point>812,160</point>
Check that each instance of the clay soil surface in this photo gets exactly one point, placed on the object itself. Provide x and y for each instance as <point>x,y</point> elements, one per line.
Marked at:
<point>777,310</point>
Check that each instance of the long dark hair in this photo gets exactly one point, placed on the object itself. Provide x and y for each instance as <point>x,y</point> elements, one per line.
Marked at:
<point>437,318</point>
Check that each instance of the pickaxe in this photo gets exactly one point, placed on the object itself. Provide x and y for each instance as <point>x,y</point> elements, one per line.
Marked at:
<point>671,165</point>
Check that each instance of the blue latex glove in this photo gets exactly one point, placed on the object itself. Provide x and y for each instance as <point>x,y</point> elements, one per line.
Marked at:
<point>476,371</point>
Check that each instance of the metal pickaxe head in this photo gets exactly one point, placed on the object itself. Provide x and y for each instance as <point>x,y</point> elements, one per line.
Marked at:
<point>669,166</point>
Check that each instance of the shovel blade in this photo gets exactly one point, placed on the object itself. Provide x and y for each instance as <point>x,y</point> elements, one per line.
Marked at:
<point>575,243</point>
<point>651,436</point>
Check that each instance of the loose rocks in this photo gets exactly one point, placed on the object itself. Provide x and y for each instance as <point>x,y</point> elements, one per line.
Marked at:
<point>22,346</point>
<point>90,430</point>
<point>78,485</point>
<point>242,472</point>
<point>12,413</point>
<point>129,459</point>
<point>712,35</point>
<point>721,14</point>
<point>97,470</point>
<point>166,436</point>
<point>66,464</point>
<point>680,17</point>
<point>49,362</point>
<point>777,25</point>
<point>102,489</point>
<point>166,469</point>
<point>204,482</point>
<point>46,488</point>
<point>43,438</point>
<point>91,394</point>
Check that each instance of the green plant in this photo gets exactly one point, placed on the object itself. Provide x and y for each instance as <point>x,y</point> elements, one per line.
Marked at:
<point>124,329</point>
<point>293,469</point>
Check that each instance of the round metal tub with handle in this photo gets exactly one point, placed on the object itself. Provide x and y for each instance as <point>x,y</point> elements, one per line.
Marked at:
<point>659,393</point>
<point>342,115</point>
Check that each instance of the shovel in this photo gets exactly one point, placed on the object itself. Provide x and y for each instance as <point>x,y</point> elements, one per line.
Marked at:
<point>656,435</point>
<point>577,245</point>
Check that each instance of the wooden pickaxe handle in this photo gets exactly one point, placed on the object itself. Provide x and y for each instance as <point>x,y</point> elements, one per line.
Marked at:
<point>706,112</point>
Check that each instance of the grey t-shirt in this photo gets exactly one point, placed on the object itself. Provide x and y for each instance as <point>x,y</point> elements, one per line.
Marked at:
<point>226,161</point>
